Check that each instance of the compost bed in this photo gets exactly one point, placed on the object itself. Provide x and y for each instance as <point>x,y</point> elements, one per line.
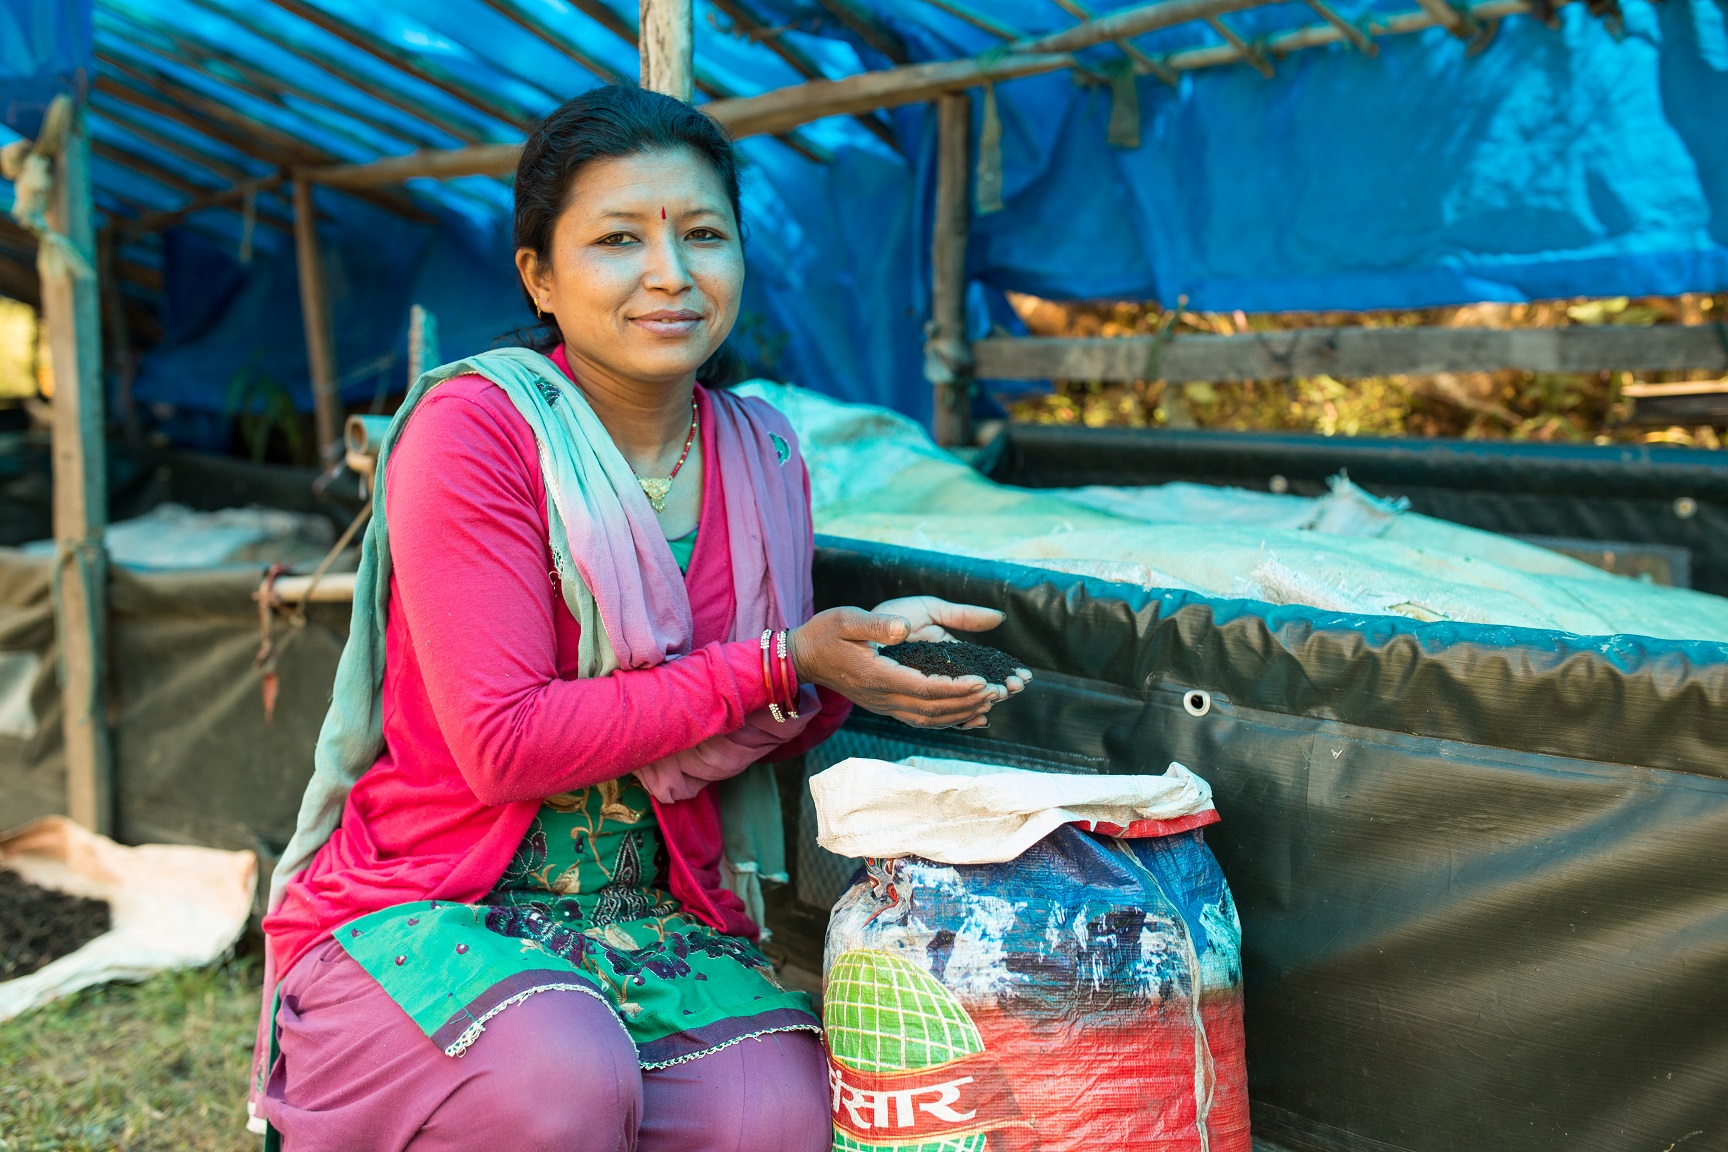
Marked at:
<point>39,925</point>
<point>1482,871</point>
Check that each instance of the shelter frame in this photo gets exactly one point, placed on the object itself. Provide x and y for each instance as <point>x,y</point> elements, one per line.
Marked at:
<point>951,363</point>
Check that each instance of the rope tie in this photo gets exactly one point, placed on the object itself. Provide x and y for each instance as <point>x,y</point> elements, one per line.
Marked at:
<point>30,167</point>
<point>1161,339</point>
<point>269,651</point>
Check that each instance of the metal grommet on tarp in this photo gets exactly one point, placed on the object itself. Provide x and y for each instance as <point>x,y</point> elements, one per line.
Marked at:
<point>1197,701</point>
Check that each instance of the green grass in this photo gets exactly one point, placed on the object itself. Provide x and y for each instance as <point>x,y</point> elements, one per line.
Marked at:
<point>154,1067</point>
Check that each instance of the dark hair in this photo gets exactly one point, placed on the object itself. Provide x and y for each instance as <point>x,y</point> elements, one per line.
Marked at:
<point>601,123</point>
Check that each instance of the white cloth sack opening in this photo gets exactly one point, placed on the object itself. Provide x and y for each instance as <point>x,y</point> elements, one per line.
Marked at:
<point>171,906</point>
<point>961,812</point>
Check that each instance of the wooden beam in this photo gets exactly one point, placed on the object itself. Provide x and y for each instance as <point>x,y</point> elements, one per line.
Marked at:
<point>1244,50</point>
<point>752,27</point>
<point>620,27</point>
<point>72,314</point>
<point>1352,33</point>
<point>158,221</point>
<point>359,142</point>
<point>1126,23</point>
<point>237,72</point>
<point>414,64</point>
<point>1455,20</point>
<point>537,28</point>
<point>978,20</point>
<point>468,131</point>
<point>863,24</point>
<point>315,314</point>
<point>1355,352</point>
<point>214,117</point>
<point>786,108</point>
<point>602,14</point>
<point>483,160</point>
<point>947,354</point>
<point>128,119</point>
<point>201,194</point>
<point>1142,62</point>
<point>783,109</point>
<point>259,141</point>
<point>147,168</point>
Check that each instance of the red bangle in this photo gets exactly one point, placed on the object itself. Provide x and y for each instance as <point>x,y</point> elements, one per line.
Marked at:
<point>768,677</point>
<point>787,676</point>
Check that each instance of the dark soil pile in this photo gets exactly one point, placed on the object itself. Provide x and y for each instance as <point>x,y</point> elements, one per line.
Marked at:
<point>38,924</point>
<point>954,658</point>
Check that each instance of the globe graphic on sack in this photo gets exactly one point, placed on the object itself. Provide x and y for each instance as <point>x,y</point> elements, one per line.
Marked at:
<point>886,1015</point>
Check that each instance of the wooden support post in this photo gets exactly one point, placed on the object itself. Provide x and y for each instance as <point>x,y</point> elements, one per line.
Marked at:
<point>947,354</point>
<point>72,311</point>
<point>668,48</point>
<point>315,311</point>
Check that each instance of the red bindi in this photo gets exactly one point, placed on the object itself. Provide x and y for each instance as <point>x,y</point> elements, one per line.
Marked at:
<point>662,213</point>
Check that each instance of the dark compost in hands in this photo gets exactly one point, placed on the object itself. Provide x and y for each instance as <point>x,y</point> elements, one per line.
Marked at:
<point>954,658</point>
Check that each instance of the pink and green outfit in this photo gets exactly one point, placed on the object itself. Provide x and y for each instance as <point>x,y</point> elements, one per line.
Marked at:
<point>512,816</point>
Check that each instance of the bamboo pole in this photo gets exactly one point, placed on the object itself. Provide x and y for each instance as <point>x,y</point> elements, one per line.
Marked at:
<point>668,48</point>
<point>872,31</point>
<point>947,353</point>
<point>315,312</point>
<point>71,309</point>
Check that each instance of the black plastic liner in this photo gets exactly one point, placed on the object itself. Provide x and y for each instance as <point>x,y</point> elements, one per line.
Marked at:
<point>1482,872</point>
<point>1623,493</point>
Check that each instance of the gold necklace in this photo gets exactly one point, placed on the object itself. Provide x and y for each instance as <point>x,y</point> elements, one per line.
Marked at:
<point>657,488</point>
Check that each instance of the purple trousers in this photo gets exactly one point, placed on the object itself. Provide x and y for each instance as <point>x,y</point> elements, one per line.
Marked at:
<point>555,1073</point>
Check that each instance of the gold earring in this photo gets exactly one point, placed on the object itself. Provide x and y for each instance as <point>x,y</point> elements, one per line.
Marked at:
<point>537,313</point>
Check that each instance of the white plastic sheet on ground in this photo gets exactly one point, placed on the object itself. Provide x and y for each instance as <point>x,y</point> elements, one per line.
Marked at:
<point>175,536</point>
<point>961,812</point>
<point>173,906</point>
<point>876,475</point>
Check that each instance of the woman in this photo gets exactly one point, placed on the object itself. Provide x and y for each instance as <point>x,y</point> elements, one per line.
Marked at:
<point>584,596</point>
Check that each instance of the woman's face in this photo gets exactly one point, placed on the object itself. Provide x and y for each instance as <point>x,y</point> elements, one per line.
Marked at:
<point>646,266</point>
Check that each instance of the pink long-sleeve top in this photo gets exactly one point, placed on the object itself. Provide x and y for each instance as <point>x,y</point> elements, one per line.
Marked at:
<point>483,714</point>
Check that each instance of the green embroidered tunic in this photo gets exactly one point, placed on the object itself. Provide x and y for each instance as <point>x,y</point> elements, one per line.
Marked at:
<point>579,909</point>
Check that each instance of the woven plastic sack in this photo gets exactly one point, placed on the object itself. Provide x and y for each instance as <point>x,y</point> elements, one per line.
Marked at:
<point>1084,994</point>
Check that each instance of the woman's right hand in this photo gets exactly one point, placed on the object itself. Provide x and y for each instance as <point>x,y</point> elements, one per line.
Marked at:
<point>837,649</point>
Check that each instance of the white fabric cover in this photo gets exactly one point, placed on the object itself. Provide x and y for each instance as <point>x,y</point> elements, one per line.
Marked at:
<point>960,812</point>
<point>173,906</point>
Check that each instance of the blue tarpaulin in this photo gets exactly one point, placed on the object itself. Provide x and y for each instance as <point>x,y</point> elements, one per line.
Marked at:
<point>1584,159</point>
